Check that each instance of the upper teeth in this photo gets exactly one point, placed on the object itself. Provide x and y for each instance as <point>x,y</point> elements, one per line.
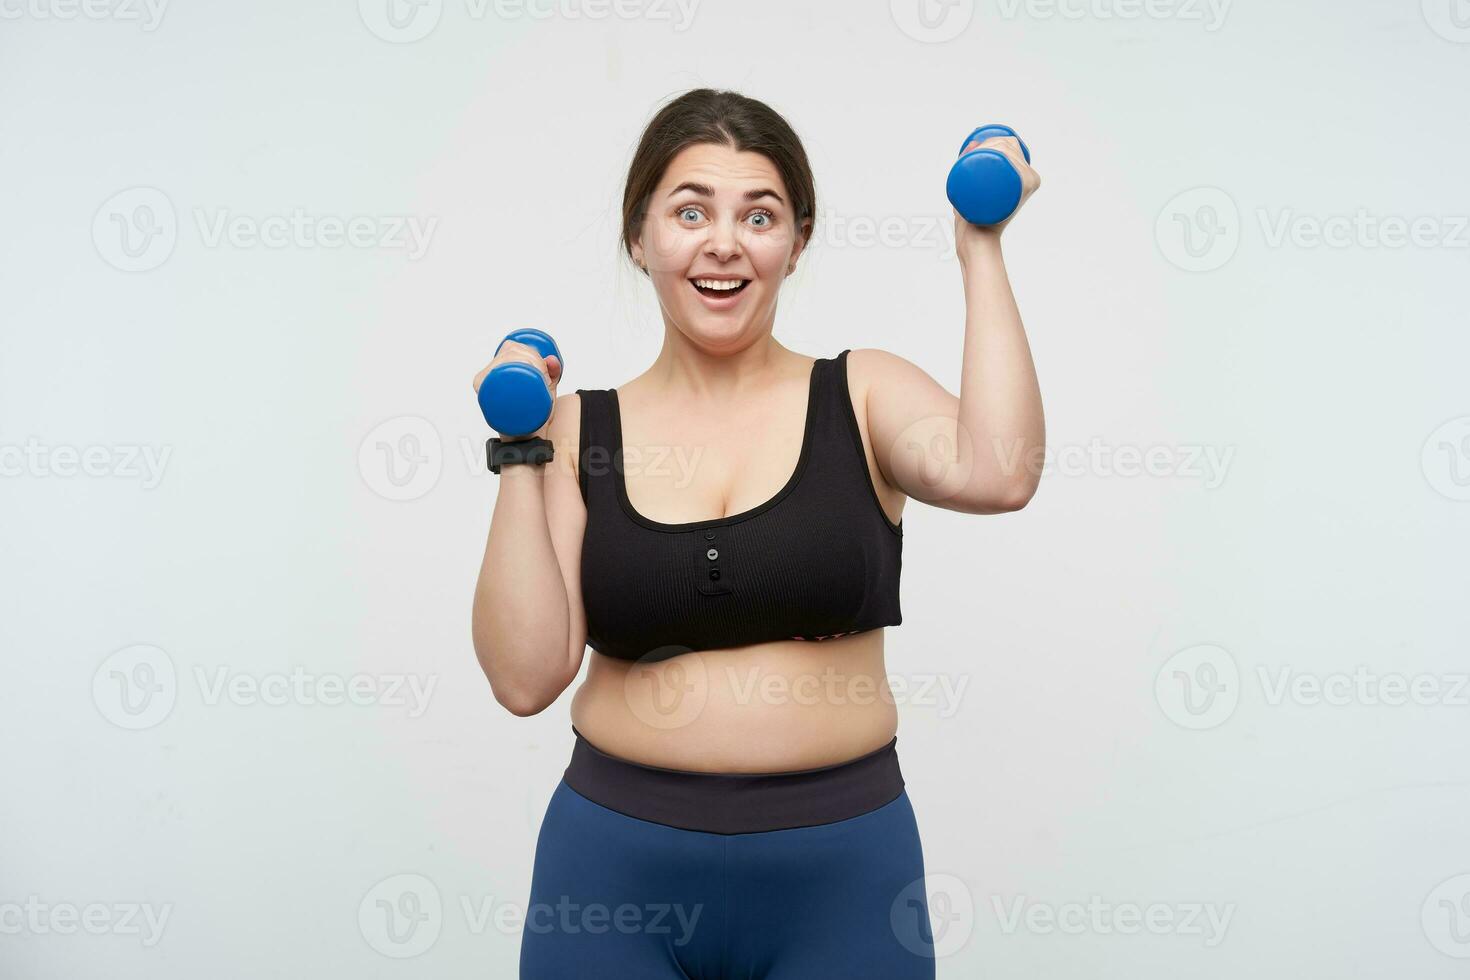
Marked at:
<point>718,283</point>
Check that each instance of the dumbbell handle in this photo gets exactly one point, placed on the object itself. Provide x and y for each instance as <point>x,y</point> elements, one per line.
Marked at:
<point>513,397</point>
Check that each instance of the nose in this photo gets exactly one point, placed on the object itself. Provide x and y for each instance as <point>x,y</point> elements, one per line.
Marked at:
<point>723,242</point>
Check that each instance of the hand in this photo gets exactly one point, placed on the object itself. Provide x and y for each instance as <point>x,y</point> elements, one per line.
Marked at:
<point>968,237</point>
<point>549,367</point>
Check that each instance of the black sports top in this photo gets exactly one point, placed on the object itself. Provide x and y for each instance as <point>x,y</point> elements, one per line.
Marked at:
<point>819,559</point>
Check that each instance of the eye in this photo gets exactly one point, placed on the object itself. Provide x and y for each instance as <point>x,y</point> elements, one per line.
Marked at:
<point>690,214</point>
<point>765,219</point>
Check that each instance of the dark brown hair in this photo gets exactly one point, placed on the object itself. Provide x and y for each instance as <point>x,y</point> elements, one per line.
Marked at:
<point>705,115</point>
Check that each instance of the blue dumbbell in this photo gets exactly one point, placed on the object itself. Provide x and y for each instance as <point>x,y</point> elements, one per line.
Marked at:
<point>983,186</point>
<point>513,397</point>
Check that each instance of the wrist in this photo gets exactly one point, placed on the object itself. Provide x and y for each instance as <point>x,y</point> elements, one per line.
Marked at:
<point>979,246</point>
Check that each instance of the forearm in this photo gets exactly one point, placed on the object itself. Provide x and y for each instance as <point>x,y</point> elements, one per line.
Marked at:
<point>1000,398</point>
<point>521,619</point>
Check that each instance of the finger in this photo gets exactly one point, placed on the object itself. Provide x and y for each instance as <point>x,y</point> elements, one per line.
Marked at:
<point>553,366</point>
<point>1008,145</point>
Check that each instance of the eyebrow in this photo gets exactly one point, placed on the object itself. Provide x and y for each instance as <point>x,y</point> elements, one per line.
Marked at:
<point>704,191</point>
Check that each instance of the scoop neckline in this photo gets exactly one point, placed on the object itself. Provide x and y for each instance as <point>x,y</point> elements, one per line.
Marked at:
<point>801,460</point>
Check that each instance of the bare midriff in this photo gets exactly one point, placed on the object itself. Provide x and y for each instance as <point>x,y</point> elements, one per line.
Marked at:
<point>767,707</point>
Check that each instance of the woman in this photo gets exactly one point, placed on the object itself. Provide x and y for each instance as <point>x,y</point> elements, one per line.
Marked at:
<point>725,532</point>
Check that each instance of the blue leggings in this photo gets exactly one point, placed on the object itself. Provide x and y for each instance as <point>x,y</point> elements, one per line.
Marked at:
<point>614,896</point>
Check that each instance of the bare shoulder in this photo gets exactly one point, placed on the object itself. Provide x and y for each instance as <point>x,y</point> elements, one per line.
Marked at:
<point>872,367</point>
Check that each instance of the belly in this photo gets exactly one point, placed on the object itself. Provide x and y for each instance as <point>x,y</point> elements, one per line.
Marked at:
<point>770,707</point>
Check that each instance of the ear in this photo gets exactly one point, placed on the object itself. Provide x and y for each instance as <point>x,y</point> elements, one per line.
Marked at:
<point>637,252</point>
<point>798,246</point>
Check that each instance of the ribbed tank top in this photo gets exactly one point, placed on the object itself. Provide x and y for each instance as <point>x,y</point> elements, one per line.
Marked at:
<point>817,560</point>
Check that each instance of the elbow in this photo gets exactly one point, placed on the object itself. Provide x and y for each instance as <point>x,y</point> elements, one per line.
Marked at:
<point>1007,499</point>
<point>524,701</point>
<point>522,697</point>
<point>521,704</point>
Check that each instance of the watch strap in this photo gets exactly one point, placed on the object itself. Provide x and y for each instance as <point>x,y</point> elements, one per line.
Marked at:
<point>498,452</point>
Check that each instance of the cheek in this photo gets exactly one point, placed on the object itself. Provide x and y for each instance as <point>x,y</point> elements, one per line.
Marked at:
<point>769,254</point>
<point>669,249</point>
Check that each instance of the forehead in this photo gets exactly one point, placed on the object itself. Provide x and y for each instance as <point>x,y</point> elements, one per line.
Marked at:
<point>721,167</point>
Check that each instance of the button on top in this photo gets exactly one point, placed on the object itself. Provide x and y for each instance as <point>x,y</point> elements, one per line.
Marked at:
<point>709,535</point>
<point>712,554</point>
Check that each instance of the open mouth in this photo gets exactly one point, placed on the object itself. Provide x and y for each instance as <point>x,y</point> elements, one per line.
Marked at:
<point>719,288</point>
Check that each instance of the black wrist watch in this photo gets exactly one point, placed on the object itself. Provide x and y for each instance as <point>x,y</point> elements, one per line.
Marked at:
<point>499,452</point>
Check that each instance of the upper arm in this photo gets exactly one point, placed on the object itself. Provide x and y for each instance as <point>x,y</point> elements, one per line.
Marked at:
<point>566,517</point>
<point>913,423</point>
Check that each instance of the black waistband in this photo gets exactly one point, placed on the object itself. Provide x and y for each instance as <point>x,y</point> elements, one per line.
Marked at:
<point>735,803</point>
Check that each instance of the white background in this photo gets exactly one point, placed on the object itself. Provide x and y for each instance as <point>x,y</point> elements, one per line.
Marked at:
<point>320,503</point>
